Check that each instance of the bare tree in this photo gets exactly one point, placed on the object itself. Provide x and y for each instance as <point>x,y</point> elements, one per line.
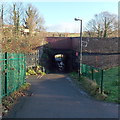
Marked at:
<point>119,19</point>
<point>33,21</point>
<point>102,25</point>
<point>15,15</point>
<point>14,39</point>
<point>3,11</point>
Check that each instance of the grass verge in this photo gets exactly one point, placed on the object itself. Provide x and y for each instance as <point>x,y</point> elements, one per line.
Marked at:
<point>88,86</point>
<point>111,85</point>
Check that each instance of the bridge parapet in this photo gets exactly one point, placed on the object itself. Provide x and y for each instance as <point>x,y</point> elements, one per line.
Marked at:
<point>60,42</point>
<point>99,45</point>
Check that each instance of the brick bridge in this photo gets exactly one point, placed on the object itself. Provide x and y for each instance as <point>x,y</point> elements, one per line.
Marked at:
<point>68,46</point>
<point>91,45</point>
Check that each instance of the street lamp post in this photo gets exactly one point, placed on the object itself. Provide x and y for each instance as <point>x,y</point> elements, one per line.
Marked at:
<point>80,47</point>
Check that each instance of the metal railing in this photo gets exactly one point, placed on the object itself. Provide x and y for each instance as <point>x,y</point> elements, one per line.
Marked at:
<point>95,74</point>
<point>13,69</point>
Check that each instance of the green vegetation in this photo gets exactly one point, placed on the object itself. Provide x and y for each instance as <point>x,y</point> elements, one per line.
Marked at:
<point>62,34</point>
<point>45,58</point>
<point>110,85</point>
<point>31,71</point>
<point>74,35</point>
<point>35,71</point>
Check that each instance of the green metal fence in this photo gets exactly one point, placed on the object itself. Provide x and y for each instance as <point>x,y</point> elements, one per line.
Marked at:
<point>13,70</point>
<point>95,74</point>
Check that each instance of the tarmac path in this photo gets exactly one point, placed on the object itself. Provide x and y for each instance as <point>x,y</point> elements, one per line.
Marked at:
<point>56,96</point>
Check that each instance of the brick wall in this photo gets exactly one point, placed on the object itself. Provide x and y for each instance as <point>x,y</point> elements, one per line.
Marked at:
<point>104,45</point>
<point>101,61</point>
<point>60,42</point>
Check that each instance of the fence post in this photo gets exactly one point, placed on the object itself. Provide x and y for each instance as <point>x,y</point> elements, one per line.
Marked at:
<point>92,74</point>
<point>6,72</point>
<point>101,81</point>
<point>24,59</point>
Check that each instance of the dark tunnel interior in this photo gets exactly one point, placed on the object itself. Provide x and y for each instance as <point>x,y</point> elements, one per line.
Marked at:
<point>59,63</point>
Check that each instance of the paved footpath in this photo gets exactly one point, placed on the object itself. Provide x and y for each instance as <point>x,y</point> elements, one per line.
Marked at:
<point>55,96</point>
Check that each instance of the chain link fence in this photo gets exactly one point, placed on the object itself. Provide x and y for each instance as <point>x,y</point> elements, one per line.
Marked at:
<point>95,74</point>
<point>13,71</point>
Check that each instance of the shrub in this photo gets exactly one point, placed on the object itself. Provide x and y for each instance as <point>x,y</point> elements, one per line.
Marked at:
<point>35,71</point>
<point>31,72</point>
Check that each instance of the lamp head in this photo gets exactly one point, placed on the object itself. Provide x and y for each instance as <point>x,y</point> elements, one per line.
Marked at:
<point>77,19</point>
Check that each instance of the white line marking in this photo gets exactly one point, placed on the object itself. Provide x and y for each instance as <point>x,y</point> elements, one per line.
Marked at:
<point>40,76</point>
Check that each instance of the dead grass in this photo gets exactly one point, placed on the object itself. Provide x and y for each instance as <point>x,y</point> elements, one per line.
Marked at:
<point>92,88</point>
<point>9,101</point>
<point>89,86</point>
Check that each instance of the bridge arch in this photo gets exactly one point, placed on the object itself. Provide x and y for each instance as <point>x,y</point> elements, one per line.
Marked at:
<point>67,60</point>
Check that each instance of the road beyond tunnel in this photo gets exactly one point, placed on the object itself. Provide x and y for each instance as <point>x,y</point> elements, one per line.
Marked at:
<point>56,96</point>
